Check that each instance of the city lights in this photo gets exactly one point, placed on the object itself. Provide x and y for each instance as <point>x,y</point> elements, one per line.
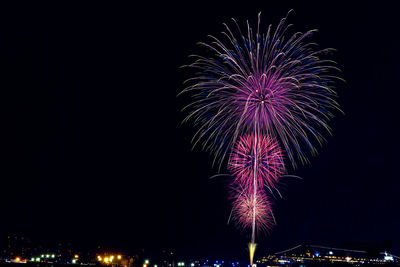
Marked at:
<point>388,258</point>
<point>299,257</point>
<point>109,259</point>
<point>296,259</point>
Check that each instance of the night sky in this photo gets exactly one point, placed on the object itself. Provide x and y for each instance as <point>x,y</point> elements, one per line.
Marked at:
<point>93,151</point>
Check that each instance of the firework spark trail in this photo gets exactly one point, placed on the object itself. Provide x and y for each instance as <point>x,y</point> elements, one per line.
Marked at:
<point>253,230</point>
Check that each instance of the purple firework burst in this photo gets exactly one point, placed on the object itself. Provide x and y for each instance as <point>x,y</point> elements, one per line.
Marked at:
<point>267,82</point>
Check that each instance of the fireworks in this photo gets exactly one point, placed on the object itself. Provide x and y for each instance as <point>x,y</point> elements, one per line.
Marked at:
<point>260,157</point>
<point>259,96</point>
<point>247,205</point>
<point>269,83</point>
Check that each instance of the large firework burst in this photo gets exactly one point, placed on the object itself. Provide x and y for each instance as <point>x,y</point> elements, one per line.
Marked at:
<point>269,82</point>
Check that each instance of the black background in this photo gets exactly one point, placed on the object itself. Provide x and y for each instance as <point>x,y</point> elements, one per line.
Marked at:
<point>93,151</point>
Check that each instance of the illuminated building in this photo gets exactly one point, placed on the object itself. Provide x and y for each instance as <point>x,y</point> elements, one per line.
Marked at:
<point>307,255</point>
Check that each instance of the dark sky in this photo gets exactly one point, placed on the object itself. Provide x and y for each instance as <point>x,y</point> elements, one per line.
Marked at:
<point>93,151</point>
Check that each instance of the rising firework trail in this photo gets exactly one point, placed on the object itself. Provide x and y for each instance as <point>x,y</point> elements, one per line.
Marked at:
<point>260,95</point>
<point>256,163</point>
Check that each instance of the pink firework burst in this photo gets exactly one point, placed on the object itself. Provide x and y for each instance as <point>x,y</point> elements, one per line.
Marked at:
<point>253,211</point>
<point>256,161</point>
